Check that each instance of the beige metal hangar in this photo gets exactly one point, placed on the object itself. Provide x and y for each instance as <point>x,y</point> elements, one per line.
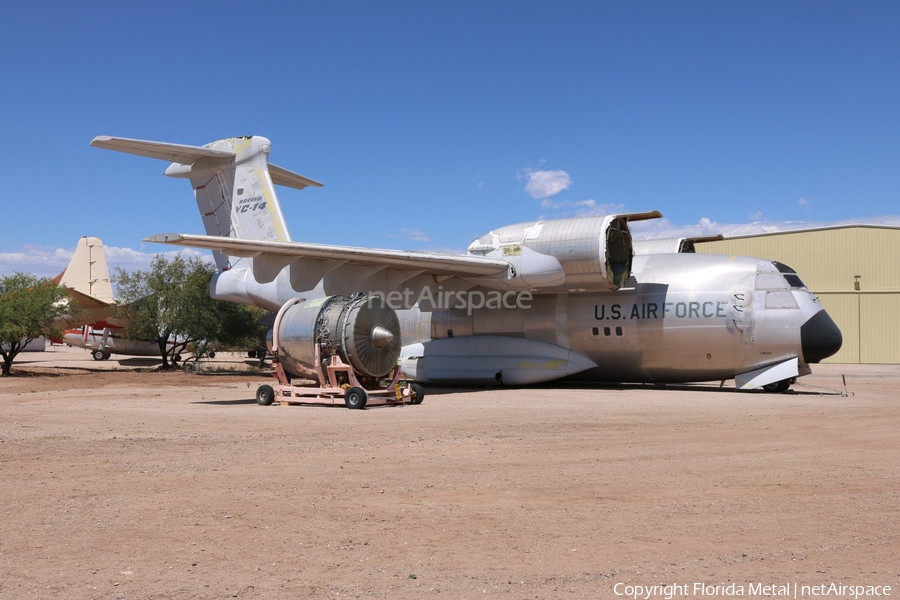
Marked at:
<point>855,272</point>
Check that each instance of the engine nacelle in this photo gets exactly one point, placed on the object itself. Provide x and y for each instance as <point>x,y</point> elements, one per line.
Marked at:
<point>361,330</point>
<point>585,253</point>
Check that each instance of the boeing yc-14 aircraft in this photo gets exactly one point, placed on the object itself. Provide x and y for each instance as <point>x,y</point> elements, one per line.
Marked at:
<point>528,303</point>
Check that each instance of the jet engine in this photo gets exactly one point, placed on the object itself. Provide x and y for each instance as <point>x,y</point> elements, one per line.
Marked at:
<point>585,253</point>
<point>361,330</point>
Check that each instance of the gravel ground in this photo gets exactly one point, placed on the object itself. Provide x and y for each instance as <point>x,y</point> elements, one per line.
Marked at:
<point>119,482</point>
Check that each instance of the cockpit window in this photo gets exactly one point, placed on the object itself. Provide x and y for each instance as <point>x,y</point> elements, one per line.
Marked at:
<point>790,275</point>
<point>794,281</point>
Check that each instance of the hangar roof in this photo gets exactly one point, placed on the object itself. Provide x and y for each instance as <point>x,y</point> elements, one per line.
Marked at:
<point>808,229</point>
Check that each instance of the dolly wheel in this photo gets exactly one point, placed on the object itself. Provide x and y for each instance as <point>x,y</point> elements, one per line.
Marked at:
<point>355,397</point>
<point>265,395</point>
<point>418,394</point>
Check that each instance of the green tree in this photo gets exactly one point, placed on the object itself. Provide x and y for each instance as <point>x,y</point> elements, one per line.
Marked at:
<point>217,325</point>
<point>153,303</point>
<point>170,304</point>
<point>29,308</point>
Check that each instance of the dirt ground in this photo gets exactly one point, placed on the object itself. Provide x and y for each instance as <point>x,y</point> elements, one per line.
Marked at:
<point>118,483</point>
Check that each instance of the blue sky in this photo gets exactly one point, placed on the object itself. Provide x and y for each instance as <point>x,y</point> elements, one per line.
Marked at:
<point>431,123</point>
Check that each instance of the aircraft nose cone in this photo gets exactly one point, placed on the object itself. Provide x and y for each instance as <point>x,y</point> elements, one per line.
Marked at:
<point>820,337</point>
<point>381,336</point>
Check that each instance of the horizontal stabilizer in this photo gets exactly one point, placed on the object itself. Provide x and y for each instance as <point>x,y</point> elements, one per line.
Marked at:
<point>290,179</point>
<point>176,153</point>
<point>188,155</point>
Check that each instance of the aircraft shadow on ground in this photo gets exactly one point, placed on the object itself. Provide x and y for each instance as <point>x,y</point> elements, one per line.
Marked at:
<point>293,405</point>
<point>600,389</point>
<point>624,387</point>
<point>689,387</point>
<point>227,402</point>
<point>139,362</point>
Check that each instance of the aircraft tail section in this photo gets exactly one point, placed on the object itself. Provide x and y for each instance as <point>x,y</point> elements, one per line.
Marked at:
<point>233,182</point>
<point>87,273</point>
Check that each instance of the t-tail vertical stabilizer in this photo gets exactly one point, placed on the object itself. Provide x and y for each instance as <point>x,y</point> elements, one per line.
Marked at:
<point>233,183</point>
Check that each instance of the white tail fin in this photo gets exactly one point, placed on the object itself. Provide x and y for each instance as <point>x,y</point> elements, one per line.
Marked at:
<point>87,272</point>
<point>233,183</point>
<point>87,278</point>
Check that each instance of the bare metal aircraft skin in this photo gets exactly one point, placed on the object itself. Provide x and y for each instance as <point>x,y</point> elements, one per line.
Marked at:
<point>528,303</point>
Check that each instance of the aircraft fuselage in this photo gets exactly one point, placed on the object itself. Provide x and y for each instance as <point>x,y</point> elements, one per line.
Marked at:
<point>679,318</point>
<point>686,317</point>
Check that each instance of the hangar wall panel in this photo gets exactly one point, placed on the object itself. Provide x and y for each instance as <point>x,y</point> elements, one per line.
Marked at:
<point>844,309</point>
<point>880,328</point>
<point>827,261</point>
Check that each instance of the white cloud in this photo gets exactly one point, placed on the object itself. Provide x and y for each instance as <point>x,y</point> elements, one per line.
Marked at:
<point>805,203</point>
<point>133,260</point>
<point>550,204</point>
<point>36,261</point>
<point>44,262</point>
<point>416,235</point>
<point>663,228</point>
<point>543,184</point>
<point>50,262</point>
<point>564,209</point>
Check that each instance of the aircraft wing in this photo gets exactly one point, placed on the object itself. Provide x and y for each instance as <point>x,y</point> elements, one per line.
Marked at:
<point>86,309</point>
<point>310,262</point>
<point>438,263</point>
<point>84,301</point>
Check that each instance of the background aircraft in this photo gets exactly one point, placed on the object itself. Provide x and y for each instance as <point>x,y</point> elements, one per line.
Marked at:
<point>90,290</point>
<point>104,340</point>
<point>528,303</point>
